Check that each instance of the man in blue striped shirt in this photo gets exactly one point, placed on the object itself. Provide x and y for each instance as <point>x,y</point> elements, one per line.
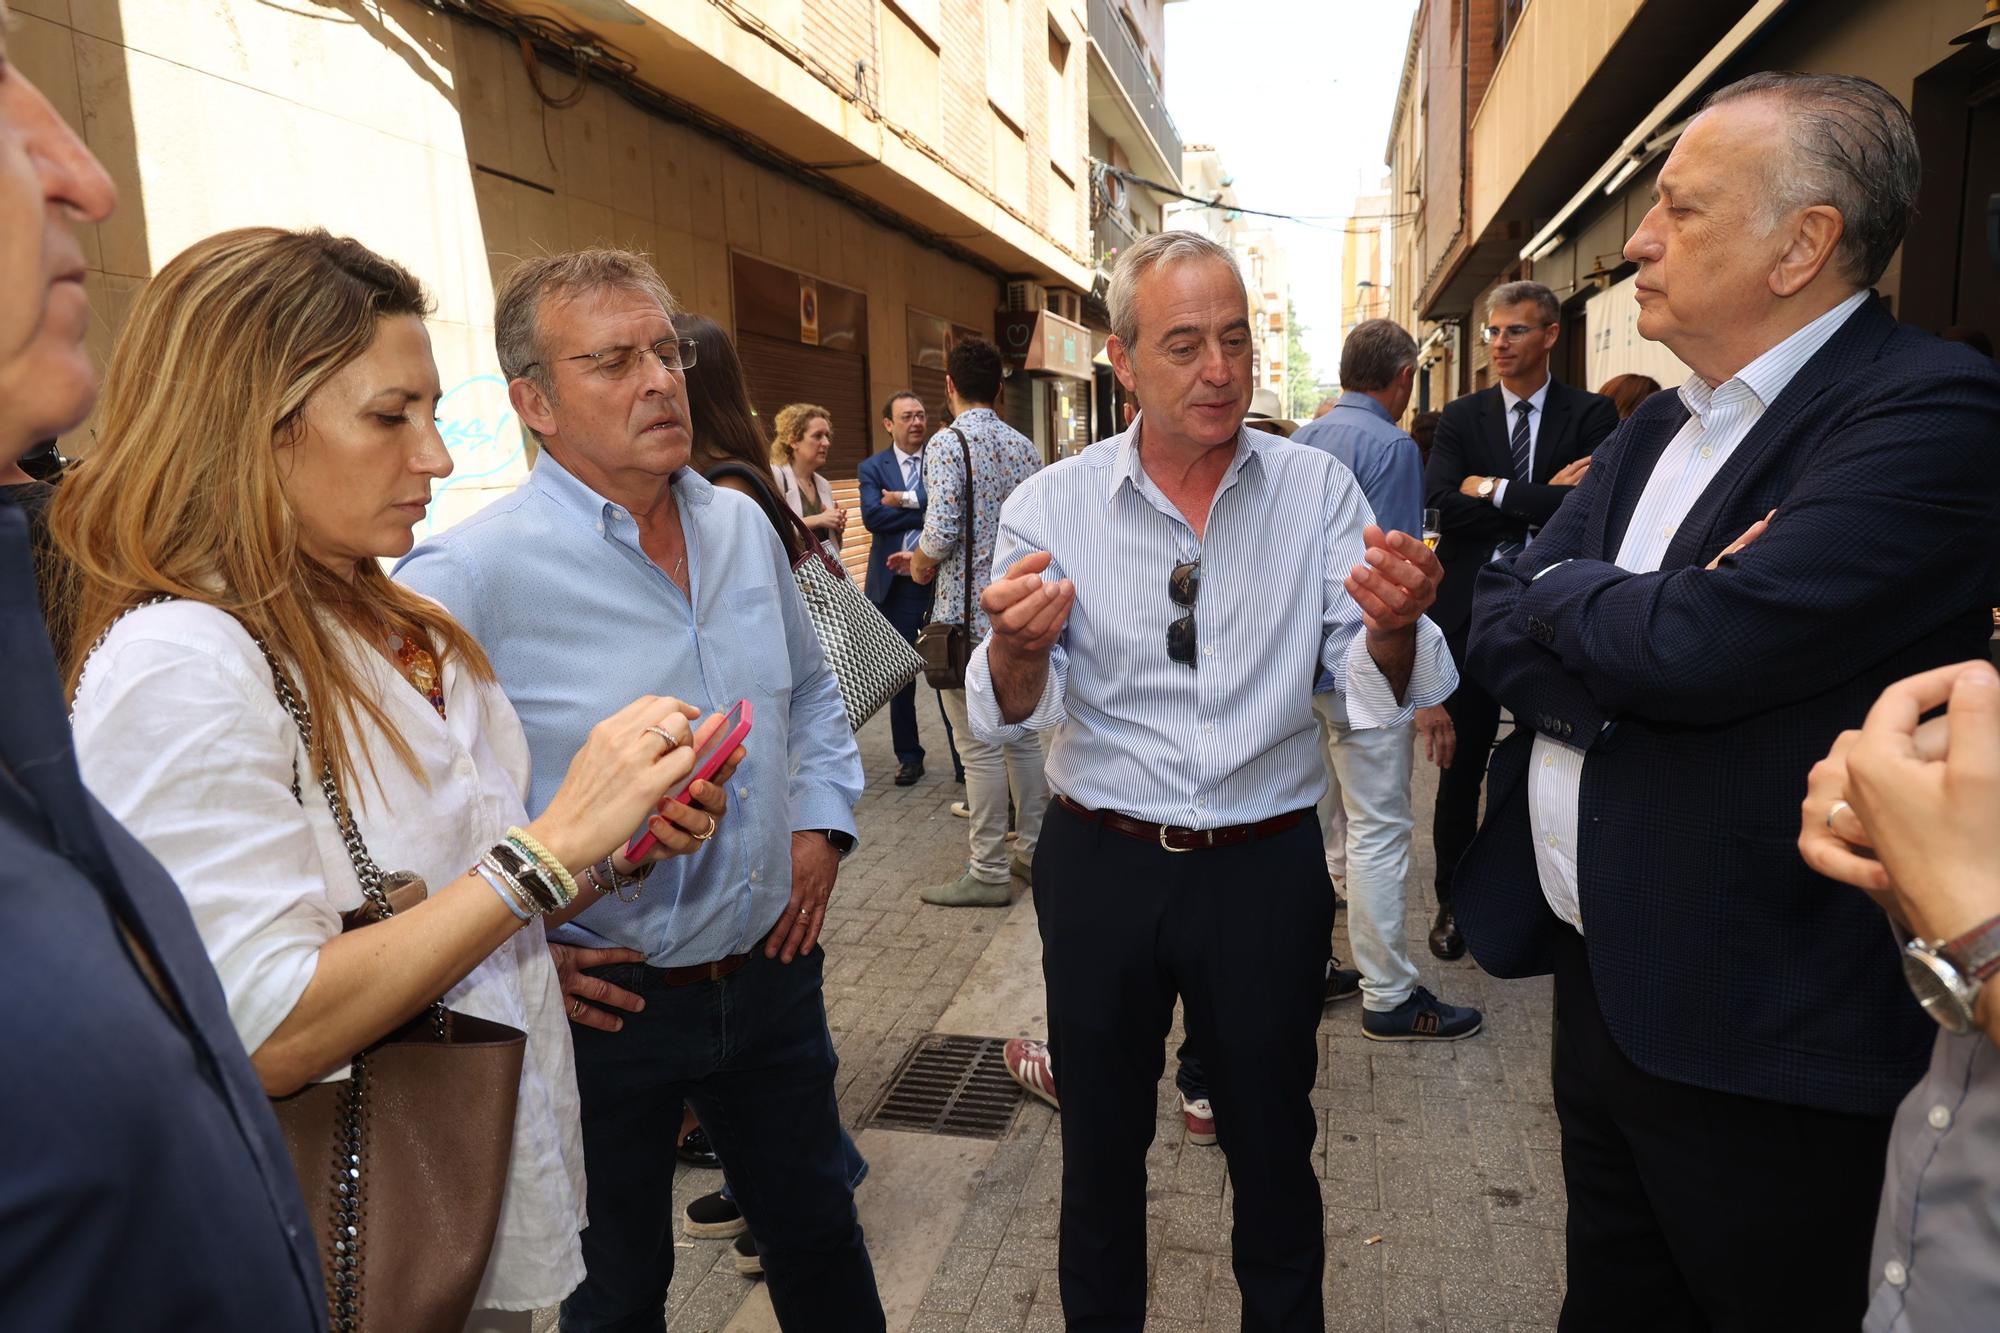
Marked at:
<point>1170,596</point>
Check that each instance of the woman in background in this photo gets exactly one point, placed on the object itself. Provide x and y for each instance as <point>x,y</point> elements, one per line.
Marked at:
<point>1626,392</point>
<point>801,440</point>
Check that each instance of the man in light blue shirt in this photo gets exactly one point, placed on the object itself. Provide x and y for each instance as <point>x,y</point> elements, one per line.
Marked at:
<point>1365,816</point>
<point>617,571</point>
<point>1168,596</point>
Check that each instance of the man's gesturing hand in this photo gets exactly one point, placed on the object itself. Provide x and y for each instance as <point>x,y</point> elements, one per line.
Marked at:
<point>1399,582</point>
<point>1028,612</point>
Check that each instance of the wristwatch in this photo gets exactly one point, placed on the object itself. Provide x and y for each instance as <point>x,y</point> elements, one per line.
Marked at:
<point>1946,975</point>
<point>1486,487</point>
<point>843,842</point>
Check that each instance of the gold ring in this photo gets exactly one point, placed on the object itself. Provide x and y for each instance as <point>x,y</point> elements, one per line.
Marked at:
<point>575,1007</point>
<point>661,732</point>
<point>704,837</point>
<point>1833,810</point>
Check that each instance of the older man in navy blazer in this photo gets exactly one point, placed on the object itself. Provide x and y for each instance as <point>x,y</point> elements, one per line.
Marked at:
<point>143,1182</point>
<point>892,508</point>
<point>1744,568</point>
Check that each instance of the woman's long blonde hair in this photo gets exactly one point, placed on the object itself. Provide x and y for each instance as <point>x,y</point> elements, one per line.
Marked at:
<point>180,493</point>
<point>790,427</point>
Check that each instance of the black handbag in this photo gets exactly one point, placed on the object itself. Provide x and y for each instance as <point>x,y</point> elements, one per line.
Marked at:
<point>947,649</point>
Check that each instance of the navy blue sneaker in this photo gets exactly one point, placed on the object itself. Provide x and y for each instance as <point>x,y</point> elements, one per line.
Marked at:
<point>1422,1017</point>
<point>1342,983</point>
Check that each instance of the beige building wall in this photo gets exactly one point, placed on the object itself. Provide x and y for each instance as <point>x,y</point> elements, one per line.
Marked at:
<point>1548,59</point>
<point>422,136</point>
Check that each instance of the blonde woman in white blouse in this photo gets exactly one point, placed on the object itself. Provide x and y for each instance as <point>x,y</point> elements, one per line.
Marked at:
<point>268,435</point>
<point>801,438</point>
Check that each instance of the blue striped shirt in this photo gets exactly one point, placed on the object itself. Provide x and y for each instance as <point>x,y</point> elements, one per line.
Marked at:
<point>1234,740</point>
<point>579,622</point>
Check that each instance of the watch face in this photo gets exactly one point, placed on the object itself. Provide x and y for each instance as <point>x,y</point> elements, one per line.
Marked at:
<point>1938,988</point>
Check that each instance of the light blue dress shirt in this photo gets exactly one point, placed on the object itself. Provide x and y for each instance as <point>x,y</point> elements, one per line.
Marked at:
<point>579,622</point>
<point>1233,740</point>
<point>1360,433</point>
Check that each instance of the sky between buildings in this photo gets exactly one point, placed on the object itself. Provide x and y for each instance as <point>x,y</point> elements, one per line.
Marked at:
<point>1297,96</point>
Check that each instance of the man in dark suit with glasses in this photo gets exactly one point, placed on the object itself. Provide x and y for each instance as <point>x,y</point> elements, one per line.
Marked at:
<point>1502,461</point>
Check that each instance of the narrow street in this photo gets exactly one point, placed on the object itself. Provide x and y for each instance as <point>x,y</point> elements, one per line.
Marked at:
<point>1439,1163</point>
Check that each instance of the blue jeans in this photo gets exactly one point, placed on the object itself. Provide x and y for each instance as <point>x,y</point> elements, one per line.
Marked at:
<point>751,1054</point>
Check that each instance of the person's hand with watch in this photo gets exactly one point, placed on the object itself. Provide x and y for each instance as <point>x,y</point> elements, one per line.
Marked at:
<point>1923,800</point>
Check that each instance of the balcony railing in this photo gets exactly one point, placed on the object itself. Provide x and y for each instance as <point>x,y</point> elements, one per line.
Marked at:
<point>1127,63</point>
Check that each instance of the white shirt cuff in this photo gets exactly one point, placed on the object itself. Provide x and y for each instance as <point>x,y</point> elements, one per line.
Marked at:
<point>1499,491</point>
<point>982,706</point>
<point>1369,699</point>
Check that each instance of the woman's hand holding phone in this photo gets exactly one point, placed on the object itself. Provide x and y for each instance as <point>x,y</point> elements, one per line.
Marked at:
<point>688,817</point>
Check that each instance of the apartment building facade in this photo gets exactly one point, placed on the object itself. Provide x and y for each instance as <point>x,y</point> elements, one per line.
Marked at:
<point>1527,135</point>
<point>846,185</point>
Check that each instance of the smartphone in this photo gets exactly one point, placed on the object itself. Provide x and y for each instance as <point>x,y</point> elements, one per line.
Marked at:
<point>707,761</point>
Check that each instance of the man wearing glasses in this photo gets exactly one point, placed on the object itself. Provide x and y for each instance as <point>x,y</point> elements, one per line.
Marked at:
<point>1170,595</point>
<point>616,571</point>
<point>1501,462</point>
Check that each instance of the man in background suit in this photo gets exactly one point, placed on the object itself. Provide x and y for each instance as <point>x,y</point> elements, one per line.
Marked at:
<point>143,1184</point>
<point>1748,563</point>
<point>1502,460</point>
<point>892,508</point>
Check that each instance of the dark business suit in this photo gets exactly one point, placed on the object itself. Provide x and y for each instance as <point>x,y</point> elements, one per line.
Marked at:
<point>143,1182</point>
<point>1732,1030</point>
<point>1471,441</point>
<point>903,600</point>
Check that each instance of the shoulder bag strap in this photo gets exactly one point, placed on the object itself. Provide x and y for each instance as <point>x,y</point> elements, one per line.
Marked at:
<point>808,539</point>
<point>965,517</point>
<point>774,506</point>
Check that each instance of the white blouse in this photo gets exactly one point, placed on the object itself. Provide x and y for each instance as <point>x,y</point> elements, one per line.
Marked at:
<point>179,732</point>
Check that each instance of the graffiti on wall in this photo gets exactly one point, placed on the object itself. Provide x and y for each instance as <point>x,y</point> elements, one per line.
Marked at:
<point>484,437</point>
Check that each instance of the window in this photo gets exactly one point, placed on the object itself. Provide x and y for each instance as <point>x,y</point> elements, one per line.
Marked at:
<point>1509,18</point>
<point>1062,108</point>
<point>1003,60</point>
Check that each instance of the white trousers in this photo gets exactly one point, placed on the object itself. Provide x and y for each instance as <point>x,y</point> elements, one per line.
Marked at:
<point>992,772</point>
<point>1367,824</point>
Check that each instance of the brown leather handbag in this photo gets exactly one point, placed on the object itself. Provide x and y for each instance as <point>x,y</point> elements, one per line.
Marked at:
<point>947,649</point>
<point>403,1163</point>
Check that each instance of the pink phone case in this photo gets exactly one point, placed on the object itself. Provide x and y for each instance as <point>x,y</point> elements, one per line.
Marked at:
<point>642,841</point>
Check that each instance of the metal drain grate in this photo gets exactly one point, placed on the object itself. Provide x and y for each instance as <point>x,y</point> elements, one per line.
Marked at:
<point>951,1085</point>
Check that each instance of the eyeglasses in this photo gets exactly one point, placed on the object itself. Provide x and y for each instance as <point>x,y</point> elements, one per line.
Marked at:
<point>618,362</point>
<point>1493,333</point>
<point>1184,586</point>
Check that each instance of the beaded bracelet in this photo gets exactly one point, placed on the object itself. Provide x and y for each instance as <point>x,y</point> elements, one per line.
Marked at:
<point>525,840</point>
<point>606,878</point>
<point>541,891</point>
<point>510,896</point>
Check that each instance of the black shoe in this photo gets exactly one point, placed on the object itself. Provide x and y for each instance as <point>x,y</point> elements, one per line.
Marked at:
<point>1342,983</point>
<point>1446,942</point>
<point>1422,1017</point>
<point>694,1150</point>
<point>907,775</point>
<point>748,1262</point>
<point>713,1217</point>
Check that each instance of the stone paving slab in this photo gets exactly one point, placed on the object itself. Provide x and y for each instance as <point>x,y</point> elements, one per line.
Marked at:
<point>1438,1163</point>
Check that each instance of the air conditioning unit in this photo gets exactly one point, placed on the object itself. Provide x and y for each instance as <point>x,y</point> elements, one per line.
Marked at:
<point>1066,303</point>
<point>1026,294</point>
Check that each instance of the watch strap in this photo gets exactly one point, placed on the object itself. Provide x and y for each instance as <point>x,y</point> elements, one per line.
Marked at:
<point>1976,953</point>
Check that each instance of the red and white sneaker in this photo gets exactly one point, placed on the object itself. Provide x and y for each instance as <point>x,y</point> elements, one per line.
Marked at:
<point>1199,1117</point>
<point>1032,1067</point>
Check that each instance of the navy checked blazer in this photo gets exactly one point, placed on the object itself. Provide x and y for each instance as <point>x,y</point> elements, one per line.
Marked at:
<point>1719,959</point>
<point>143,1181</point>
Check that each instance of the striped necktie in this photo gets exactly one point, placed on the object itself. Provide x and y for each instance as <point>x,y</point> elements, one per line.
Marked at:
<point>1518,443</point>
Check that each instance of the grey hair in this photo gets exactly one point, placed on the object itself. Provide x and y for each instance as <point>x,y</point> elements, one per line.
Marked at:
<point>1162,247</point>
<point>1374,352</point>
<point>1547,308</point>
<point>1854,149</point>
<point>517,306</point>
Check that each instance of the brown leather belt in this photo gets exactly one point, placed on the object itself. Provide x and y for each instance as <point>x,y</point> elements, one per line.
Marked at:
<point>694,972</point>
<point>1174,838</point>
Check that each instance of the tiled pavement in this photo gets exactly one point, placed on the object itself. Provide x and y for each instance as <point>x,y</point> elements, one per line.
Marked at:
<point>1439,1164</point>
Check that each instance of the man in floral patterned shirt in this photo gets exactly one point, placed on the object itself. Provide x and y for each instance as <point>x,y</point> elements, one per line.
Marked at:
<point>1002,458</point>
